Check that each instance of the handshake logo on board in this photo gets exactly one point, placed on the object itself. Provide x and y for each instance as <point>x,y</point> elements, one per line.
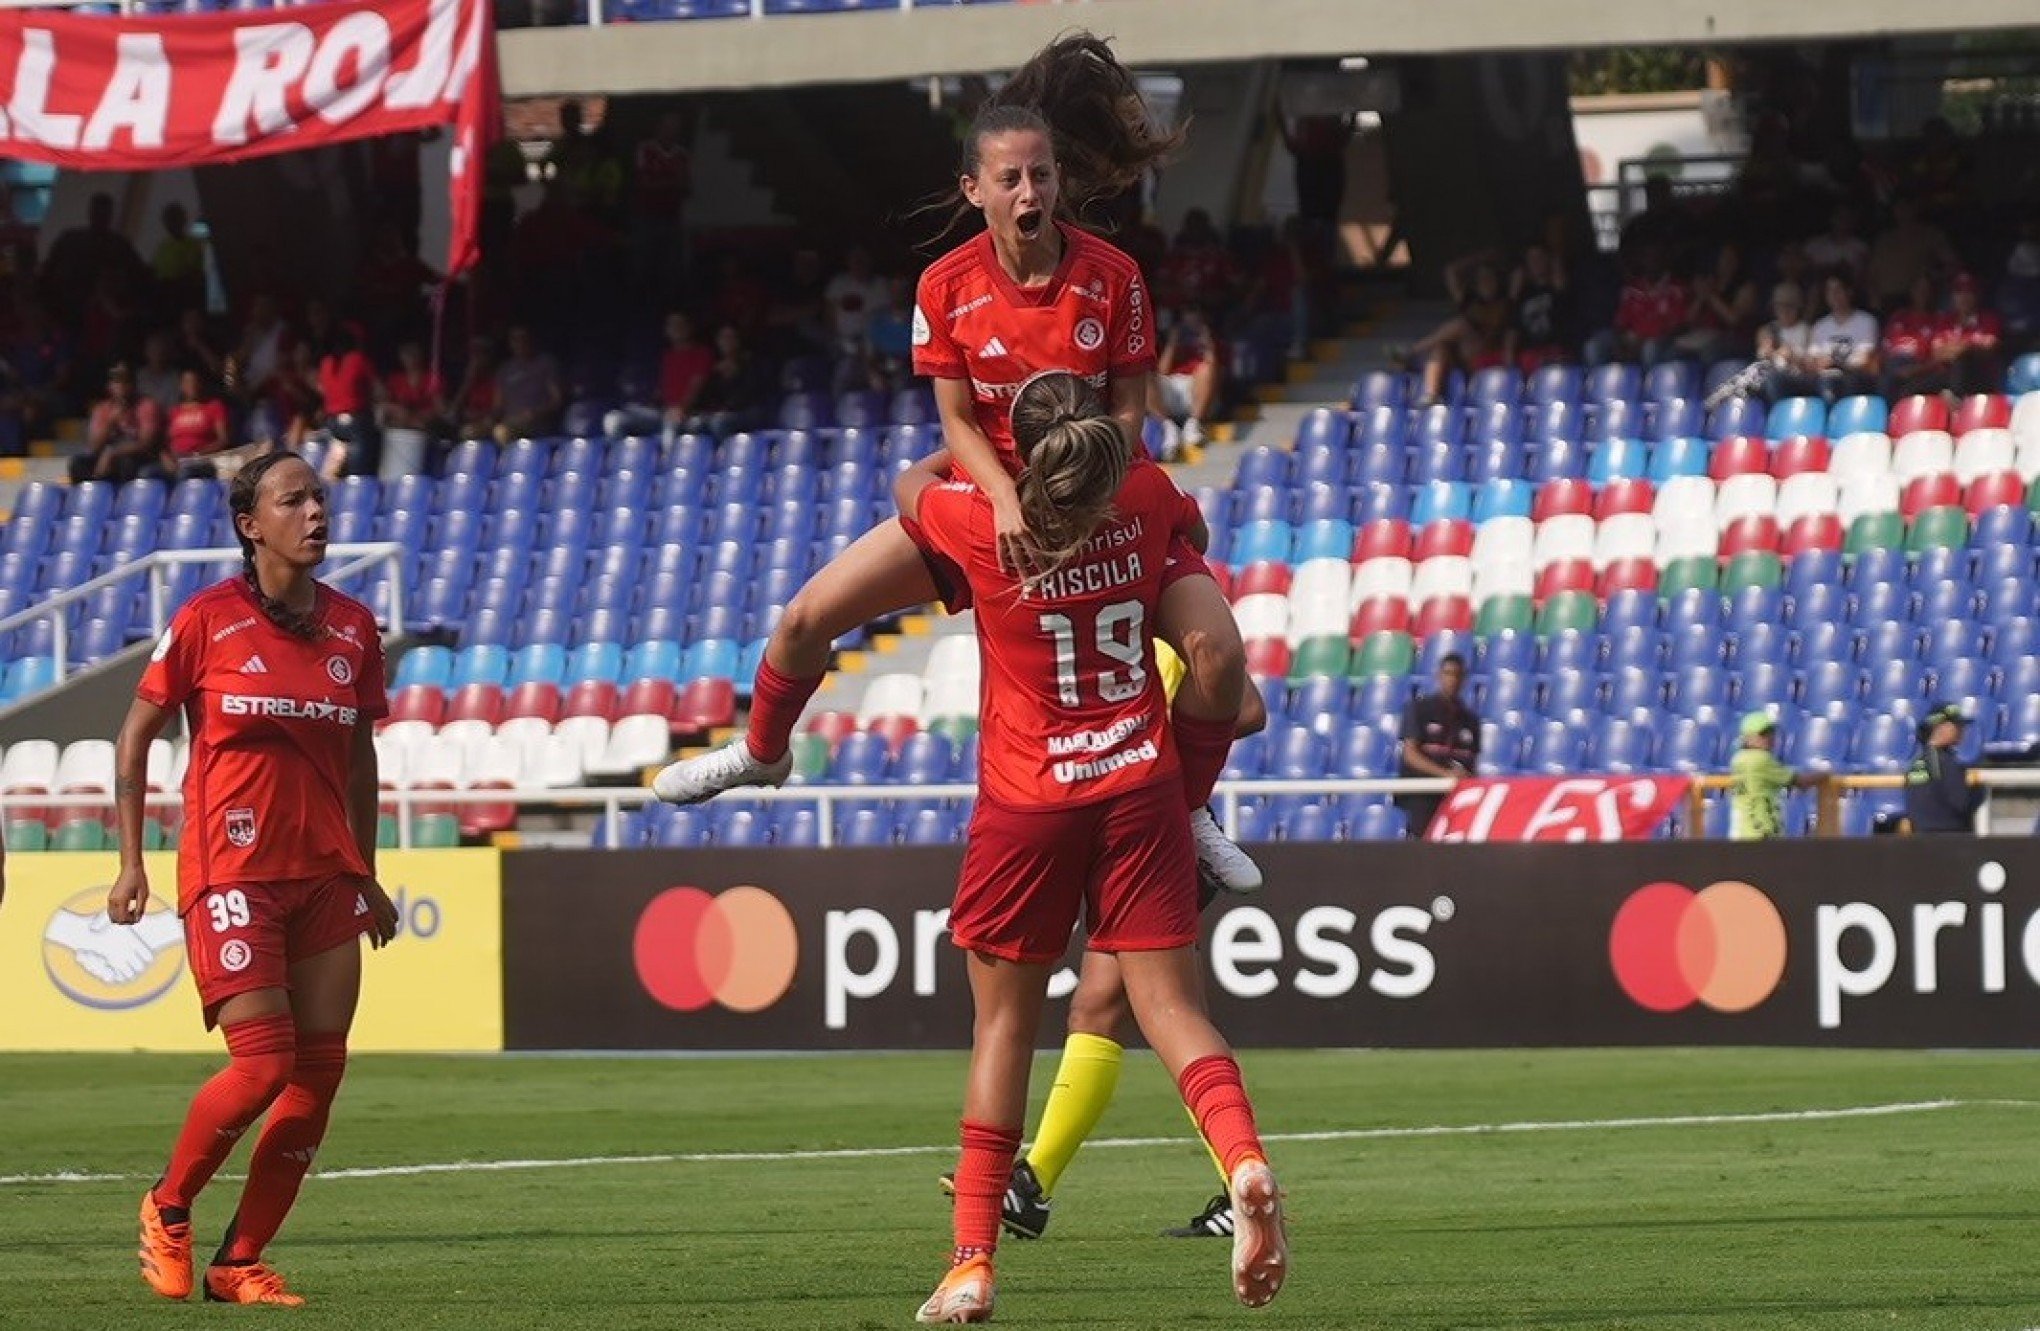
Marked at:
<point>110,967</point>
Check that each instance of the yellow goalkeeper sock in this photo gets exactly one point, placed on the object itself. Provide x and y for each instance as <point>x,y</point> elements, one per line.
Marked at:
<point>1084,1083</point>
<point>1224,1182</point>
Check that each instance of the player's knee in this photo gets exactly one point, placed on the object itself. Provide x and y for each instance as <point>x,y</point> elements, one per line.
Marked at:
<point>1098,1012</point>
<point>266,1075</point>
<point>802,622</point>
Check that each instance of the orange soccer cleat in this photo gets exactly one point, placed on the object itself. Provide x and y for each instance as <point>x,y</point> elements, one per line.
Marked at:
<point>165,1251</point>
<point>965,1295</point>
<point>254,1282</point>
<point>1260,1255</point>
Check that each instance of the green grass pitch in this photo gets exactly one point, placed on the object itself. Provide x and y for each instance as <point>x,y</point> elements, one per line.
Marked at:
<point>1925,1219</point>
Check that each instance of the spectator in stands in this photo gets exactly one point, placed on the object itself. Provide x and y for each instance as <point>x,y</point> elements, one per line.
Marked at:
<point>1280,298</point>
<point>347,388</point>
<point>740,299</point>
<point>1938,796</point>
<point>587,164</point>
<point>684,367</point>
<point>1756,810</point>
<point>107,329</point>
<point>1839,248</point>
<point>289,408</point>
<point>123,436</point>
<point>411,410</point>
<point>1650,314</point>
<point>1842,351</point>
<point>1475,337</point>
<point>1198,269</point>
<point>1907,349</point>
<point>1725,309</point>
<point>1317,147</point>
<point>1908,249</point>
<point>474,407</point>
<point>1185,386</point>
<point>892,337</point>
<point>196,348</point>
<point>1968,343</point>
<point>263,351</point>
<point>1440,738</point>
<point>82,256</point>
<point>178,264</point>
<point>1662,225</point>
<point>1540,322</point>
<point>158,378</point>
<point>528,392</point>
<point>197,426</point>
<point>734,398</point>
<point>661,180</point>
<point>1784,345</point>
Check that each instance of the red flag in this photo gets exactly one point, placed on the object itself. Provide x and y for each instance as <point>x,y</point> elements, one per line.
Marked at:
<point>478,120</point>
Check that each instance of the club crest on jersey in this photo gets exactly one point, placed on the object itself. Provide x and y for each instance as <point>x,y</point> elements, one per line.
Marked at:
<point>340,670</point>
<point>1090,334</point>
<point>241,827</point>
<point>236,955</point>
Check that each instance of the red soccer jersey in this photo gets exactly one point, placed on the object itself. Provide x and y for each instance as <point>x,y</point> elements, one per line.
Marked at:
<point>1909,335</point>
<point>971,322</point>
<point>1070,701</point>
<point>1978,332</point>
<point>272,721</point>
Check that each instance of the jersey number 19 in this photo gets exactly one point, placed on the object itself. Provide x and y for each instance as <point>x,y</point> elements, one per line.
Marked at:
<point>1119,637</point>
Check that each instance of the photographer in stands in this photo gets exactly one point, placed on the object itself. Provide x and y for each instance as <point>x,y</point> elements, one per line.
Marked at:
<point>1938,796</point>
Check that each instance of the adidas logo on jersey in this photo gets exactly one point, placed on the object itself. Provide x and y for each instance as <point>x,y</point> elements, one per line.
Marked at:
<point>993,348</point>
<point>254,665</point>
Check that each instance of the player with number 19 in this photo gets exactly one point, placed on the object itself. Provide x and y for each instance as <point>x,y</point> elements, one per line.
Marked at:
<point>280,679</point>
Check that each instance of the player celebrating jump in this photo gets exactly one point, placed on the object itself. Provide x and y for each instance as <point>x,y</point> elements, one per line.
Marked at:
<point>281,680</point>
<point>1078,811</point>
<point>1029,294</point>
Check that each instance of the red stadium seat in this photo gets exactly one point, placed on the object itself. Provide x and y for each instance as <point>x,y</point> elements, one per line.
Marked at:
<point>1800,453</point>
<point>650,697</point>
<point>1564,575</point>
<point>1221,575</point>
<point>1268,657</point>
<point>1940,490</point>
<point>1446,537</point>
<point>477,702</point>
<point>707,704</point>
<point>418,702</point>
<point>1384,537</point>
<point>537,698</point>
<point>1629,575</point>
<point>834,726</point>
<point>591,697</point>
<point>1985,411</point>
<point>1560,497</point>
<point>1379,614</point>
<point>1262,576</point>
<point>1815,531</point>
<point>1624,496</point>
<point>1738,455</point>
<point>1444,612</point>
<point>1744,535</point>
<point>1920,412</point>
<point>1997,490</point>
<point>895,730</point>
<point>484,820</point>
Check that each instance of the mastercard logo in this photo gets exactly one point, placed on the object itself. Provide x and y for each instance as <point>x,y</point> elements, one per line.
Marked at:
<point>1722,947</point>
<point>695,948</point>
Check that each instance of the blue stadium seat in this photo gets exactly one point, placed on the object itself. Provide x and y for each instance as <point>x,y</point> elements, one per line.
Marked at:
<point>2013,639</point>
<point>1879,602</point>
<point>1762,684</point>
<point>1796,416</point>
<point>480,665</point>
<point>595,662</point>
<point>1614,382</point>
<point>1555,749</point>
<point>932,825</point>
<point>1636,651</point>
<point>1330,538</point>
<point>1432,461</point>
<point>1247,758</point>
<point>1692,746</point>
<point>1295,754</point>
<point>1506,652</point>
<point>1377,822</point>
<point>1619,459</point>
<point>1372,503</point>
<point>1378,388</point>
<point>652,659</point>
<point>1363,751</point>
<point>542,663</point>
<point>1886,640</point>
<point>1319,703</point>
<point>2012,551</point>
<point>926,759</point>
<point>1619,418</point>
<point>1571,652</point>
<point>1819,603</point>
<point>1262,467</point>
<point>1556,421</point>
<point>1326,430</point>
<point>865,823</point>
<point>1682,455</point>
<point>734,824</point>
<point>431,666</point>
<point>1765,640</point>
<point>1963,678</point>
<point>1945,600</point>
<point>2021,722</point>
<point>1509,691</point>
<point>711,658</point>
<point>1822,743</point>
<point>1855,415</point>
<point>1573,691</point>
<point>1265,504</point>
<point>1314,820</point>
<point>1441,500</point>
<point>1379,700</point>
<point>1493,461</point>
<point>862,759</point>
<point>1497,422</point>
<point>1832,687</point>
<point>1630,691</point>
<point>1377,428</point>
<point>1893,680</point>
<point>1557,459</point>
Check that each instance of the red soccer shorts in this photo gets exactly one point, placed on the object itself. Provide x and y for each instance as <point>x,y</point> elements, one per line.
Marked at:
<point>245,937</point>
<point>1126,863</point>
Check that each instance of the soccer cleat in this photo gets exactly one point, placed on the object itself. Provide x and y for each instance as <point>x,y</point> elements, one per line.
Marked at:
<point>1024,1211</point>
<point>692,780</point>
<point>1215,1221</point>
<point>965,1295</point>
<point>254,1282</point>
<point>1219,857</point>
<point>165,1251</point>
<point>1260,1246</point>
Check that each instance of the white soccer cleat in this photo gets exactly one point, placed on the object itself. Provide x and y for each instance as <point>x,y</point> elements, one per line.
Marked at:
<point>1219,856</point>
<point>692,780</point>
<point>1260,1246</point>
<point>964,1296</point>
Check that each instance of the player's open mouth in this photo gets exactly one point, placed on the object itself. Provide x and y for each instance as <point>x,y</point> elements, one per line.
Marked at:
<point>317,536</point>
<point>1029,223</point>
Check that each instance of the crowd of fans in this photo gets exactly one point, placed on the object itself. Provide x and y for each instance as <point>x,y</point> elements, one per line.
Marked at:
<point>1845,277</point>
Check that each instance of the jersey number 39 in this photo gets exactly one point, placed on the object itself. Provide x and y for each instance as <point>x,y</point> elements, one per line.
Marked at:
<point>1118,636</point>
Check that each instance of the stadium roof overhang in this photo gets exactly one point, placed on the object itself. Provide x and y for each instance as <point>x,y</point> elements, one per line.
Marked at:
<point>797,50</point>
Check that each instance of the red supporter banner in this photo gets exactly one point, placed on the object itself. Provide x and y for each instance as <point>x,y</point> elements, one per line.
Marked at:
<point>1556,808</point>
<point>134,94</point>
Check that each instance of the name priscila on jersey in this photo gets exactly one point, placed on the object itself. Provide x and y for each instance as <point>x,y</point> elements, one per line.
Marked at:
<point>1095,575</point>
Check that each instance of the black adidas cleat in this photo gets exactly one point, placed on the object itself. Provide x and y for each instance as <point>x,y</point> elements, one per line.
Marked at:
<point>1024,1212</point>
<point>1215,1221</point>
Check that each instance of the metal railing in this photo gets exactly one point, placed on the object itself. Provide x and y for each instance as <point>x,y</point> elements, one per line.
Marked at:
<point>354,558</point>
<point>613,801</point>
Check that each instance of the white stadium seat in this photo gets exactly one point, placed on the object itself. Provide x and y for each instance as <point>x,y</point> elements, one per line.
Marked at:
<point>1444,576</point>
<point>1746,496</point>
<point>897,694</point>
<point>1624,536</point>
<point>1922,453</point>
<point>1383,576</point>
<point>1864,453</point>
<point>1561,539</point>
<point>1504,541</point>
<point>1262,615</point>
<point>1682,500</point>
<point>86,766</point>
<point>1983,453</point>
<point>1809,494</point>
<point>1867,493</point>
<point>638,742</point>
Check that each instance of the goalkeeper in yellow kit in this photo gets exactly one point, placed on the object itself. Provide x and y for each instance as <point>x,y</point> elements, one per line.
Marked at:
<point>1089,1071</point>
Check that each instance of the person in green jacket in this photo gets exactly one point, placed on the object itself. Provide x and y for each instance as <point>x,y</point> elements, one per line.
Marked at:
<point>1756,810</point>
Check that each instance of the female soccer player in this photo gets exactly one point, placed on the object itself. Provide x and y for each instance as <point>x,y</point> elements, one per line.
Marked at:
<point>281,680</point>
<point>1031,293</point>
<point>1078,811</point>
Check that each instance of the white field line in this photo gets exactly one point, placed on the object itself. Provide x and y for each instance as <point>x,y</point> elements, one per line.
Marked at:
<point>1106,1143</point>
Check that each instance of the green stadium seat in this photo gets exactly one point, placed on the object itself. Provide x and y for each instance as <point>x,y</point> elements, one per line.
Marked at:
<point>27,834</point>
<point>386,831</point>
<point>1939,529</point>
<point>811,751</point>
<point>1385,653</point>
<point>154,835</point>
<point>435,831</point>
<point>1753,568</point>
<point>1875,531</point>
<point>1696,572</point>
<point>80,834</point>
<point>1325,655</point>
<point>1569,610</point>
<point>1504,612</point>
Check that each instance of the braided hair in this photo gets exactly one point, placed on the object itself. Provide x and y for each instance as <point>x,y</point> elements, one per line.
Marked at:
<point>242,494</point>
